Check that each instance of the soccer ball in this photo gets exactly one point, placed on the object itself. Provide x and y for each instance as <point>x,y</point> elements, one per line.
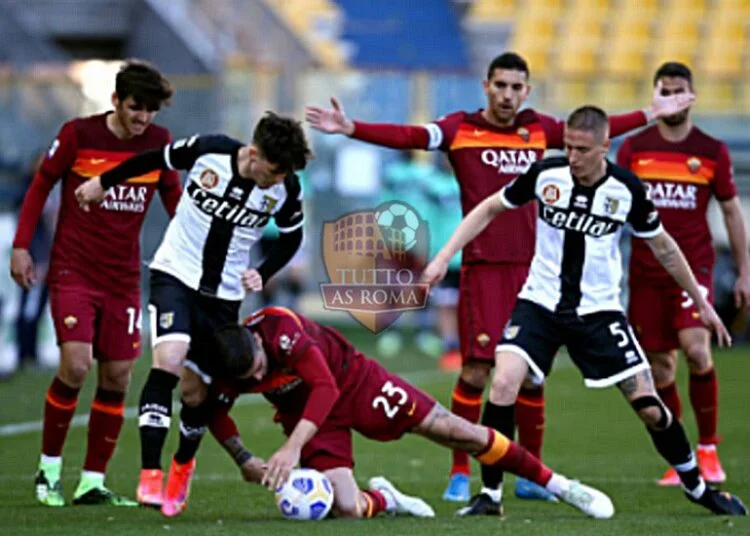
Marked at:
<point>306,496</point>
<point>402,218</point>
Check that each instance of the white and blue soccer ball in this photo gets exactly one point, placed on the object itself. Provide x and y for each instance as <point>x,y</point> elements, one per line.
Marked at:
<point>402,218</point>
<point>306,496</point>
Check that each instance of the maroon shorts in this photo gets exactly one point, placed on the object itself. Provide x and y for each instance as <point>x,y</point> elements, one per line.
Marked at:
<point>383,407</point>
<point>111,323</point>
<point>657,313</point>
<point>487,294</point>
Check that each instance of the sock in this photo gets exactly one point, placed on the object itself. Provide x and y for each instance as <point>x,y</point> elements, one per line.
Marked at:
<point>673,445</point>
<point>530,419</point>
<point>193,424</point>
<point>503,454</point>
<point>466,403</point>
<point>704,397</point>
<point>155,415</point>
<point>558,484</point>
<point>89,480</point>
<point>502,419</point>
<point>376,503</point>
<point>671,398</point>
<point>59,407</point>
<point>105,424</point>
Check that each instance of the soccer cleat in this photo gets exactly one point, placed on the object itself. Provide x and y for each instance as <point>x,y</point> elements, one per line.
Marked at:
<point>711,469</point>
<point>670,478</point>
<point>150,492</point>
<point>102,496</point>
<point>526,489</point>
<point>413,506</point>
<point>482,504</point>
<point>458,489</point>
<point>178,488</point>
<point>720,502</point>
<point>48,493</point>
<point>588,500</point>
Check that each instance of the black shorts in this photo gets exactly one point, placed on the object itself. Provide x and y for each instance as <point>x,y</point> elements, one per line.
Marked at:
<point>179,313</point>
<point>602,345</point>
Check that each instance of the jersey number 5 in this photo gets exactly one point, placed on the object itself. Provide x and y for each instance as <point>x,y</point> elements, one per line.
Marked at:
<point>391,391</point>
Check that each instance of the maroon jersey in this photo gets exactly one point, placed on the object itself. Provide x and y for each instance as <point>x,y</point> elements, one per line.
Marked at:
<point>101,246</point>
<point>680,179</point>
<point>308,364</point>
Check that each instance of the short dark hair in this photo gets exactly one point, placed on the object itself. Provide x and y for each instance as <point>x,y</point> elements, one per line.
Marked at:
<point>236,348</point>
<point>145,83</point>
<point>282,142</point>
<point>510,61</point>
<point>589,119</point>
<point>674,69</point>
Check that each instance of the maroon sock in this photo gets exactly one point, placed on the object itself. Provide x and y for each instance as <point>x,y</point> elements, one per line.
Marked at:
<point>467,403</point>
<point>704,397</point>
<point>59,407</point>
<point>105,424</point>
<point>530,419</point>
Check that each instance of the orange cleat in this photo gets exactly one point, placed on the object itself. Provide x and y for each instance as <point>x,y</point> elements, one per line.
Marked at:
<point>711,469</point>
<point>670,478</point>
<point>149,492</point>
<point>178,488</point>
<point>450,361</point>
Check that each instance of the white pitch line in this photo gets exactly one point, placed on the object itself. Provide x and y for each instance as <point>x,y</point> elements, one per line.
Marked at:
<point>16,429</point>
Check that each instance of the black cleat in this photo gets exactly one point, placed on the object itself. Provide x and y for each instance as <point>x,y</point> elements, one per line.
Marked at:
<point>721,503</point>
<point>102,496</point>
<point>482,504</point>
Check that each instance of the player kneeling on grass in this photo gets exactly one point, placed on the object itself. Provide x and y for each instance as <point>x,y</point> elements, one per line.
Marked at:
<point>323,388</point>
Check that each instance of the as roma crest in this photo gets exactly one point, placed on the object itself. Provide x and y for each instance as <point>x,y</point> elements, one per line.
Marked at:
<point>694,164</point>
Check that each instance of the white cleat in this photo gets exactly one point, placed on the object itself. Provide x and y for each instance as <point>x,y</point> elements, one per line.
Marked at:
<point>413,506</point>
<point>588,500</point>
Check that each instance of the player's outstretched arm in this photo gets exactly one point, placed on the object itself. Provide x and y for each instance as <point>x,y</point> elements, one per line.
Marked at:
<point>666,105</point>
<point>734,222</point>
<point>469,228</point>
<point>334,121</point>
<point>669,254</point>
<point>224,429</point>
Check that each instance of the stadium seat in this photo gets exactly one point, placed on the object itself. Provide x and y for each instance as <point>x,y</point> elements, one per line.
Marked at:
<point>716,96</point>
<point>615,95</point>
<point>569,94</point>
<point>491,10</point>
<point>576,57</point>
<point>624,59</point>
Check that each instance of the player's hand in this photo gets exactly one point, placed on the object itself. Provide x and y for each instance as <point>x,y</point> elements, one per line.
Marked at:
<point>252,281</point>
<point>712,321</point>
<point>22,268</point>
<point>435,271</point>
<point>662,106</point>
<point>279,467</point>
<point>89,192</point>
<point>253,470</point>
<point>742,292</point>
<point>329,120</point>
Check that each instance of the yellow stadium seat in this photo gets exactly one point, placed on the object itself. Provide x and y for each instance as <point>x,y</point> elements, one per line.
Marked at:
<point>582,28</point>
<point>491,10</point>
<point>615,95</point>
<point>633,28</point>
<point>576,58</point>
<point>678,30</point>
<point>716,97</point>
<point>624,61</point>
<point>721,58</point>
<point>569,94</point>
<point>731,29</point>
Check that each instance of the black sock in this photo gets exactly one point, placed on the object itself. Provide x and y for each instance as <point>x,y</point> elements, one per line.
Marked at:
<point>155,415</point>
<point>193,422</point>
<point>502,419</point>
<point>673,445</point>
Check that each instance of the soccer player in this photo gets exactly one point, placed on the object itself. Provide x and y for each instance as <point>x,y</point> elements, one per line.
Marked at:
<point>682,167</point>
<point>323,388</point>
<point>200,273</point>
<point>94,275</point>
<point>571,296</point>
<point>487,149</point>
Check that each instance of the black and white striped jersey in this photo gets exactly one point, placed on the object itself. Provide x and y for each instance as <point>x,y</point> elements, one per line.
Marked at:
<point>577,265</point>
<point>221,215</point>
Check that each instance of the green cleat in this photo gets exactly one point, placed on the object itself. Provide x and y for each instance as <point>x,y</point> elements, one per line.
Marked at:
<point>48,493</point>
<point>91,491</point>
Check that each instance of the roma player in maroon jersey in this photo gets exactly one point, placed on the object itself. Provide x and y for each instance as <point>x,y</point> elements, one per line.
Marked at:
<point>682,167</point>
<point>94,275</point>
<point>323,388</point>
<point>487,149</point>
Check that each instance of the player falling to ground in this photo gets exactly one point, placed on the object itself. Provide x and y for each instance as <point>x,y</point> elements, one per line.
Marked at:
<point>200,273</point>
<point>94,275</point>
<point>571,297</point>
<point>323,388</point>
<point>487,149</point>
<point>682,167</point>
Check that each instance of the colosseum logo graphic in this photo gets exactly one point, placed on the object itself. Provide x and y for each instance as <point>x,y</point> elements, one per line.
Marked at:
<point>374,259</point>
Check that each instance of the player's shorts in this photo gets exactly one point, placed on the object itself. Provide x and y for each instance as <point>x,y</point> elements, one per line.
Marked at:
<point>602,345</point>
<point>179,313</point>
<point>658,313</point>
<point>111,323</point>
<point>487,295</point>
<point>446,294</point>
<point>383,407</point>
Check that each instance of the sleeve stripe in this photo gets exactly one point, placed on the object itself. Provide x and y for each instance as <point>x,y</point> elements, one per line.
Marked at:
<point>648,234</point>
<point>504,199</point>
<point>290,229</point>
<point>436,136</point>
<point>166,156</point>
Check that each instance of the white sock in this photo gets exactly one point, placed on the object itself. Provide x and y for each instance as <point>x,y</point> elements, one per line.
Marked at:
<point>698,491</point>
<point>50,460</point>
<point>390,500</point>
<point>706,447</point>
<point>558,484</point>
<point>495,494</point>
<point>94,477</point>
